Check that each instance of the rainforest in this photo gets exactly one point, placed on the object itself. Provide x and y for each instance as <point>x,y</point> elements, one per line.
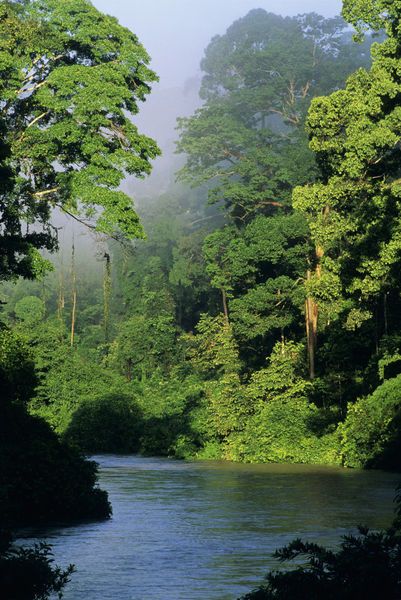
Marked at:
<point>239,307</point>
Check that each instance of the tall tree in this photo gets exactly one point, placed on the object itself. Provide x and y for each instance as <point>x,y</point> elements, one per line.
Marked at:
<point>353,210</point>
<point>71,79</point>
<point>249,145</point>
<point>248,139</point>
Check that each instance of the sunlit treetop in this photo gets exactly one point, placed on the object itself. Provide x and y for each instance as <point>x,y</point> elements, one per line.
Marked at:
<point>354,210</point>
<point>373,14</point>
<point>71,79</point>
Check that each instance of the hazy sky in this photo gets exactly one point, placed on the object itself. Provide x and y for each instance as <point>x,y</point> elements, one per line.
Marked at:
<point>176,32</point>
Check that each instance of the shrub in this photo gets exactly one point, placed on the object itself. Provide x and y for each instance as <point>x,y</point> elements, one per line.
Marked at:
<point>280,431</point>
<point>29,573</point>
<point>370,435</point>
<point>108,424</point>
<point>366,565</point>
<point>41,478</point>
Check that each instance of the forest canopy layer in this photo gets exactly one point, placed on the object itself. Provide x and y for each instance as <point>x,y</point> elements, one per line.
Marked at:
<point>259,320</point>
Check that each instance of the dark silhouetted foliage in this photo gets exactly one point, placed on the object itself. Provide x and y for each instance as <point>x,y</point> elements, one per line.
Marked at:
<point>366,566</point>
<point>28,573</point>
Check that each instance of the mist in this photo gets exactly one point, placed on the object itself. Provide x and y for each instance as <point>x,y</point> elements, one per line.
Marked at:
<point>175,34</point>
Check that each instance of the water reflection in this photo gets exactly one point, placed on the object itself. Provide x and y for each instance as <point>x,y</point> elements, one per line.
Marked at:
<point>192,531</point>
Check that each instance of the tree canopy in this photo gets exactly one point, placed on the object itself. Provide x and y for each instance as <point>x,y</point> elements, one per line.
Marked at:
<point>71,80</point>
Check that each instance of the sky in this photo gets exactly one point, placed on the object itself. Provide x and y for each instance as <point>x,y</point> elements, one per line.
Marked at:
<point>176,32</point>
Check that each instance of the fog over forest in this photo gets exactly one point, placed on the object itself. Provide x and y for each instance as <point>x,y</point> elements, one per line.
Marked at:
<point>175,33</point>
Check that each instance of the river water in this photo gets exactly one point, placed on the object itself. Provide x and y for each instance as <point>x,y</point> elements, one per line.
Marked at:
<point>206,530</point>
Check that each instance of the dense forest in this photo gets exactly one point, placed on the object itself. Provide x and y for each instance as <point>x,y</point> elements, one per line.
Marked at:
<point>258,320</point>
<point>250,312</point>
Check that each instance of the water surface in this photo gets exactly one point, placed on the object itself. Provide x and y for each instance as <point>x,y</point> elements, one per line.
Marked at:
<point>206,530</point>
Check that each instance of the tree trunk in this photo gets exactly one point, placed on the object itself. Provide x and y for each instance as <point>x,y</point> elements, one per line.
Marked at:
<point>225,304</point>
<point>106,296</point>
<point>61,300</point>
<point>74,295</point>
<point>385,313</point>
<point>311,320</point>
<point>312,309</point>
<point>128,370</point>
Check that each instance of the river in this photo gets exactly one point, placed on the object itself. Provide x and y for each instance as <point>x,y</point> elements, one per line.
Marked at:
<point>206,530</point>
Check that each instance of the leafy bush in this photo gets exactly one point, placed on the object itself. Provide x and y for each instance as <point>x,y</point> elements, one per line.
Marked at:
<point>173,420</point>
<point>366,565</point>
<point>41,478</point>
<point>29,573</point>
<point>108,424</point>
<point>282,426</point>
<point>281,432</point>
<point>371,433</point>
<point>67,379</point>
<point>30,310</point>
<point>17,375</point>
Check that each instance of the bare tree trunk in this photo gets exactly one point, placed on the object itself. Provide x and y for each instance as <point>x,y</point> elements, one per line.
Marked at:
<point>61,299</point>
<point>311,320</point>
<point>312,308</point>
<point>106,296</point>
<point>385,313</point>
<point>74,295</point>
<point>225,304</point>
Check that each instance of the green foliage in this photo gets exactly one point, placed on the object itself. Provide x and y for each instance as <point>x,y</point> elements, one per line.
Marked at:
<point>109,423</point>
<point>366,565</point>
<point>29,573</point>
<point>30,310</point>
<point>353,210</point>
<point>172,416</point>
<point>17,375</point>
<point>375,14</point>
<point>143,344</point>
<point>155,366</point>
<point>41,479</point>
<point>63,486</point>
<point>370,435</point>
<point>248,143</point>
<point>68,383</point>
<point>71,79</point>
<point>283,378</point>
<point>282,427</point>
<point>258,81</point>
<point>214,351</point>
<point>214,355</point>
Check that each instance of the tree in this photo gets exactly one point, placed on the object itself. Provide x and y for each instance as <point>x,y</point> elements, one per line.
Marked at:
<point>259,78</point>
<point>30,310</point>
<point>353,210</point>
<point>214,355</point>
<point>71,78</point>
<point>248,144</point>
